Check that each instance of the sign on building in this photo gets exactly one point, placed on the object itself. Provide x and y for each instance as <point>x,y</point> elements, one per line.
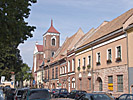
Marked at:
<point>2,79</point>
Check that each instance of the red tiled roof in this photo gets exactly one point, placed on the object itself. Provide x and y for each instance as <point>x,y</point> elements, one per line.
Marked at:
<point>39,48</point>
<point>52,29</point>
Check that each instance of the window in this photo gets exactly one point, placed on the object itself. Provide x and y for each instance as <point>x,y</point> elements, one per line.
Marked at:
<point>109,55</point>
<point>73,65</point>
<point>120,83</point>
<point>84,61</point>
<point>45,42</point>
<point>118,52</point>
<point>98,59</point>
<point>89,60</point>
<point>45,74</point>
<point>53,73</point>
<point>110,83</point>
<point>73,82</point>
<point>60,70</point>
<point>56,72</point>
<point>89,83</point>
<point>53,42</point>
<point>52,54</point>
<point>68,66</point>
<point>48,74</point>
<point>78,62</point>
<point>65,69</point>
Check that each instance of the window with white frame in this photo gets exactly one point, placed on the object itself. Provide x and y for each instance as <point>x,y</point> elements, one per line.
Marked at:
<point>109,54</point>
<point>98,57</point>
<point>43,55</point>
<point>84,61</point>
<point>60,70</point>
<point>68,66</point>
<point>89,60</point>
<point>53,41</point>
<point>78,62</point>
<point>120,83</point>
<point>73,82</point>
<point>73,64</point>
<point>118,52</point>
<point>65,68</point>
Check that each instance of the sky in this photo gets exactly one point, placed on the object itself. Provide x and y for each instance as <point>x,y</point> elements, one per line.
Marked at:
<point>68,16</point>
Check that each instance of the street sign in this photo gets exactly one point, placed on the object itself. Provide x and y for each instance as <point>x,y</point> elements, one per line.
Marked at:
<point>34,82</point>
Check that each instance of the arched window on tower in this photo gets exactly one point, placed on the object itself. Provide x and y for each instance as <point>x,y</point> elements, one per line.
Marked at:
<point>53,42</point>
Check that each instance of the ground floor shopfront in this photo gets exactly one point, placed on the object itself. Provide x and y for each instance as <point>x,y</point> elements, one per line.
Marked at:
<point>113,80</point>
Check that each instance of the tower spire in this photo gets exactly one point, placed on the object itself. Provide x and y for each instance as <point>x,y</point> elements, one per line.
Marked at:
<point>51,22</point>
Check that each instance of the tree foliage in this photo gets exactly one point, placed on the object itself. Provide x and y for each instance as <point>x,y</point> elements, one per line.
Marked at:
<point>25,73</point>
<point>13,31</point>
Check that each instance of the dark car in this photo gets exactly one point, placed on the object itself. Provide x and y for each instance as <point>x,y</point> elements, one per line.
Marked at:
<point>10,94</point>
<point>94,96</point>
<point>61,93</point>
<point>76,93</point>
<point>37,94</point>
<point>125,97</point>
<point>19,93</point>
<point>53,92</point>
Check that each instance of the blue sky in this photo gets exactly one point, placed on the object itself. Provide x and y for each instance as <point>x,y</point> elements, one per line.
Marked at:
<point>68,16</point>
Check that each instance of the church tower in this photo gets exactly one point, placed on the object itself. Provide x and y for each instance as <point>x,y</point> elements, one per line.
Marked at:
<point>51,42</point>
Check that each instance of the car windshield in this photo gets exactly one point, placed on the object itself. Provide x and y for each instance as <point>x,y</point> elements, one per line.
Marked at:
<point>39,94</point>
<point>101,97</point>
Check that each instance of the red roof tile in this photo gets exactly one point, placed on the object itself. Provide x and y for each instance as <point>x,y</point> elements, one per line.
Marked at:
<point>52,29</point>
<point>39,48</point>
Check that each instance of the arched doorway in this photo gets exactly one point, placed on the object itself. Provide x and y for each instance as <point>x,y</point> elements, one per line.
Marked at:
<point>100,84</point>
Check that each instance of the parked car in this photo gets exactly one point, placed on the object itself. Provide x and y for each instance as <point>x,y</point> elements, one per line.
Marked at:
<point>53,92</point>
<point>37,94</point>
<point>1,95</point>
<point>61,93</point>
<point>125,97</point>
<point>76,93</point>
<point>19,93</point>
<point>107,93</point>
<point>94,96</point>
<point>10,94</point>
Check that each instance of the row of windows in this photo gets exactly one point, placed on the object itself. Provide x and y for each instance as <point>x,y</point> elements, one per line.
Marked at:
<point>55,73</point>
<point>84,61</point>
<point>64,70</point>
<point>119,83</point>
<point>109,55</point>
<point>98,57</point>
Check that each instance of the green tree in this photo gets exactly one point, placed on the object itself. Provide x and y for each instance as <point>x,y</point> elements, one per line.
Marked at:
<point>13,30</point>
<point>24,74</point>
